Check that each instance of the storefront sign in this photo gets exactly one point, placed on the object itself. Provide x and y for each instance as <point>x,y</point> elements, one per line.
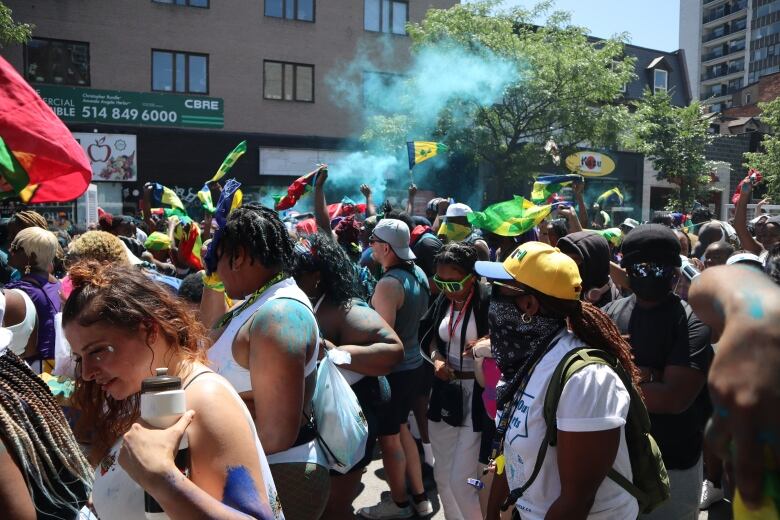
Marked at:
<point>590,164</point>
<point>86,105</point>
<point>113,156</point>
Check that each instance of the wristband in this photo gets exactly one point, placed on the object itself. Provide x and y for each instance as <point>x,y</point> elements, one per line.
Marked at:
<point>212,281</point>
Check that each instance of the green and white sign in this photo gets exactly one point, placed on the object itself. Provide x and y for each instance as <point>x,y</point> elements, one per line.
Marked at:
<point>86,105</point>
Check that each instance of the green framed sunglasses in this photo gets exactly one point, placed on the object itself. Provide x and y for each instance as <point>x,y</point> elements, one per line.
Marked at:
<point>448,286</point>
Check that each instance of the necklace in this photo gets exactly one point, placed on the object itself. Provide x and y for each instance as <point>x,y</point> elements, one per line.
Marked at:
<point>228,316</point>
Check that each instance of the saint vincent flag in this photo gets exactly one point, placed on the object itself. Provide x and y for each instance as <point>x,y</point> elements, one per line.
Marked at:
<point>166,197</point>
<point>511,218</point>
<point>295,191</point>
<point>40,161</point>
<point>611,197</point>
<point>207,202</point>
<point>187,234</point>
<point>420,151</point>
<point>548,185</point>
<point>229,161</point>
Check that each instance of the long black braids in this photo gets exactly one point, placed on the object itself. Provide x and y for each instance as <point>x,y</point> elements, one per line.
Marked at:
<point>259,230</point>
<point>36,434</point>
<point>338,274</point>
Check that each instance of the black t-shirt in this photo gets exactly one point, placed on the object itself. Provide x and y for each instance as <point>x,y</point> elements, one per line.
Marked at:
<point>425,249</point>
<point>670,334</point>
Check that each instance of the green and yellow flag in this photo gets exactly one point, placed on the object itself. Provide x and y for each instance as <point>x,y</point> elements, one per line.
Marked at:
<point>546,186</point>
<point>229,161</point>
<point>511,218</point>
<point>420,151</point>
<point>452,232</point>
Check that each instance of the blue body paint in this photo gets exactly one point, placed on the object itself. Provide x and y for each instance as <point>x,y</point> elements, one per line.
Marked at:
<point>241,494</point>
<point>754,307</point>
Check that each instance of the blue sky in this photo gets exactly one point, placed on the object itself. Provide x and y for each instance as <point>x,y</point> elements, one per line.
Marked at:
<point>650,23</point>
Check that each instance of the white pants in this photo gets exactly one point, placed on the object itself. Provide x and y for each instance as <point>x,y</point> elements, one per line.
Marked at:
<point>456,454</point>
<point>685,487</point>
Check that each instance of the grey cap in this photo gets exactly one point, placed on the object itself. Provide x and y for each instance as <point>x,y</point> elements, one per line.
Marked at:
<point>396,234</point>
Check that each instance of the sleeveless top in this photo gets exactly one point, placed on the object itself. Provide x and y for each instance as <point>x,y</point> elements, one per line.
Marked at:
<point>407,318</point>
<point>23,330</point>
<point>46,299</point>
<point>222,362</point>
<point>117,496</point>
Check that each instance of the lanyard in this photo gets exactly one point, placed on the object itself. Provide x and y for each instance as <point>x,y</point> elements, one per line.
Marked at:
<point>224,320</point>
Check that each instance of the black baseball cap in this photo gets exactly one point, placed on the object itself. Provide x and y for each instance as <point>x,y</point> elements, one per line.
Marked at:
<point>651,243</point>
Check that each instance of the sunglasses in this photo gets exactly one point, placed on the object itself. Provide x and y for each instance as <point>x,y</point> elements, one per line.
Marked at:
<point>373,240</point>
<point>451,286</point>
<point>650,270</point>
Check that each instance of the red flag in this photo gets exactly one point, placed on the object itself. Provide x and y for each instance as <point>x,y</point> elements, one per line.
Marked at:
<point>297,189</point>
<point>46,156</point>
<point>754,176</point>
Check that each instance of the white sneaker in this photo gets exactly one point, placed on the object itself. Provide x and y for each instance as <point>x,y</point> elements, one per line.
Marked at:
<point>709,495</point>
<point>423,508</point>
<point>386,510</point>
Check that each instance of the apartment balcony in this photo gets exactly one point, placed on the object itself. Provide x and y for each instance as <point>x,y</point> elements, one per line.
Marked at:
<point>718,94</point>
<point>723,74</point>
<point>713,2</point>
<point>725,13</point>
<point>719,55</point>
<point>726,30</point>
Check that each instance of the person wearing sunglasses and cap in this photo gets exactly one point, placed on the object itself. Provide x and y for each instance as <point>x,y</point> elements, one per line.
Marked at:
<point>672,348</point>
<point>401,299</point>
<point>536,319</point>
<point>456,412</point>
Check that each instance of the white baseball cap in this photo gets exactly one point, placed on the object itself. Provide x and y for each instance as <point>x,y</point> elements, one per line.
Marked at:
<point>396,234</point>
<point>458,210</point>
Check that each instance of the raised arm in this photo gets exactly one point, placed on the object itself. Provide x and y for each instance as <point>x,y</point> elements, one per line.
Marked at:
<point>365,189</point>
<point>579,197</point>
<point>740,221</point>
<point>320,204</point>
<point>410,199</point>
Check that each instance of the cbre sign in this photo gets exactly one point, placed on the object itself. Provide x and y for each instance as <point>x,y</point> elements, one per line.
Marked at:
<point>86,105</point>
<point>590,164</point>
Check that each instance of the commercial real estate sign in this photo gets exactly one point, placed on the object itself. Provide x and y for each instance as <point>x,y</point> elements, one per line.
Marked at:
<point>86,105</point>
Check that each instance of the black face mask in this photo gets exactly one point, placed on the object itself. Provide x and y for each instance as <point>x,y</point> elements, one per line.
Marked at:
<point>650,288</point>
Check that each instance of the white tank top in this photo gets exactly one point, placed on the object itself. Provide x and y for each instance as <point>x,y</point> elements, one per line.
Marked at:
<point>23,330</point>
<point>117,496</point>
<point>222,362</point>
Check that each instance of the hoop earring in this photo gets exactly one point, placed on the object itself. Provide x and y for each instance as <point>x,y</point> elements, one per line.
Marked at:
<point>525,318</point>
<point>27,269</point>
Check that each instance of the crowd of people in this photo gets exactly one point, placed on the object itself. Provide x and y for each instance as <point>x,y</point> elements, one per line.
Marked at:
<point>559,373</point>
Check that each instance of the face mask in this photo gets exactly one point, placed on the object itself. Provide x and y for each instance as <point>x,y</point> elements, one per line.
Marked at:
<point>512,341</point>
<point>649,288</point>
<point>454,232</point>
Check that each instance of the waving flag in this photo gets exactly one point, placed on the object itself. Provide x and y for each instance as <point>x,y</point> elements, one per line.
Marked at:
<point>297,189</point>
<point>548,185</point>
<point>345,208</point>
<point>206,201</point>
<point>229,161</point>
<point>511,218</point>
<point>224,206</point>
<point>420,151</point>
<point>611,197</point>
<point>754,176</point>
<point>187,234</point>
<point>162,196</point>
<point>40,161</point>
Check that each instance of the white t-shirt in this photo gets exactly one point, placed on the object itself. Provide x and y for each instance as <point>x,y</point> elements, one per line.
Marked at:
<point>453,356</point>
<point>594,399</point>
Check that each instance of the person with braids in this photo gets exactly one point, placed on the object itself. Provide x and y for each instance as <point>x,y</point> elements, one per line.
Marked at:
<point>267,348</point>
<point>43,472</point>
<point>23,220</point>
<point>456,413</point>
<point>32,253</point>
<point>673,350</point>
<point>328,277</point>
<point>122,326</point>
<point>536,318</point>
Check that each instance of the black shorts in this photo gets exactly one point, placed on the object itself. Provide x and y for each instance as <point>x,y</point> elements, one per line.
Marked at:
<point>403,390</point>
<point>425,379</point>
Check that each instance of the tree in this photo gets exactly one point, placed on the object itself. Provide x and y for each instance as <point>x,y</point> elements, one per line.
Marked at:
<point>674,139</point>
<point>10,31</point>
<point>568,87</point>
<point>768,161</point>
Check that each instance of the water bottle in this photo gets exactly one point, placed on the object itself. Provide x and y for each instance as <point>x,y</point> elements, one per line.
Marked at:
<point>162,404</point>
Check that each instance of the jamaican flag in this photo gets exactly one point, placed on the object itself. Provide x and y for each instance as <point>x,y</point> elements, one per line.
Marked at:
<point>511,218</point>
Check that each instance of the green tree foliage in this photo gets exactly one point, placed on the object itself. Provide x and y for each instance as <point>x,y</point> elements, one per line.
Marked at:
<point>12,32</point>
<point>768,161</point>
<point>570,87</point>
<point>674,139</point>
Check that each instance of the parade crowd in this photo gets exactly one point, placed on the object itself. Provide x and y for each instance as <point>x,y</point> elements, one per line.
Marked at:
<point>572,369</point>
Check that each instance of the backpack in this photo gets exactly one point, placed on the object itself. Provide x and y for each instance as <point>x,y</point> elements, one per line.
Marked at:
<point>650,484</point>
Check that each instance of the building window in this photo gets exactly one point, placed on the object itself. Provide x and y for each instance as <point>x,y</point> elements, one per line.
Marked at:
<point>660,80</point>
<point>59,62</point>
<point>288,81</point>
<point>746,100</point>
<point>190,3</point>
<point>180,72</point>
<point>302,10</point>
<point>388,16</point>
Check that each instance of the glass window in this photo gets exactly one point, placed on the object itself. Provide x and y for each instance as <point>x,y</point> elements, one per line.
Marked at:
<point>399,17</point>
<point>371,15</point>
<point>660,78</point>
<point>272,80</point>
<point>180,72</point>
<point>291,9</point>
<point>288,81</point>
<point>191,3</point>
<point>57,61</point>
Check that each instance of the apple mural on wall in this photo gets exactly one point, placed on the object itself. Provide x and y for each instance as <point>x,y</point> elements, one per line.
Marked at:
<point>99,151</point>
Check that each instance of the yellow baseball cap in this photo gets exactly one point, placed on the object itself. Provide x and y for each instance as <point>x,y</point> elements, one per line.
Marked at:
<point>540,267</point>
